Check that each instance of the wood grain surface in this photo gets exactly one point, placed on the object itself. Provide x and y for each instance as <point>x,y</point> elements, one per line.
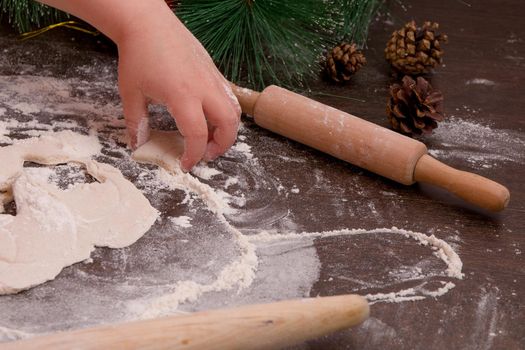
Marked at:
<point>486,310</point>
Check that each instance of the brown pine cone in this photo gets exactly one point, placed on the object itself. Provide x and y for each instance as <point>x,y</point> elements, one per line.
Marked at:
<point>412,50</point>
<point>414,108</point>
<point>343,61</point>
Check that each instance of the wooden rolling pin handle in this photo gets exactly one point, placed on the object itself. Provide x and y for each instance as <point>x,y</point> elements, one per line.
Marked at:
<point>246,97</point>
<point>472,188</point>
<point>269,326</point>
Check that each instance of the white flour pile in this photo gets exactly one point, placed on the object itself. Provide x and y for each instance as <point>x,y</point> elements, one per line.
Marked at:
<point>478,144</point>
<point>182,221</point>
<point>207,251</point>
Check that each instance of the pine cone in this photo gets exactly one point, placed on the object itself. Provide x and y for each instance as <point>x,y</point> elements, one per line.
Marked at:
<point>343,61</point>
<point>414,107</point>
<point>412,50</point>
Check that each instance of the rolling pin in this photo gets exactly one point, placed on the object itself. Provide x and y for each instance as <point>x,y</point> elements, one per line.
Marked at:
<point>266,326</point>
<point>367,145</point>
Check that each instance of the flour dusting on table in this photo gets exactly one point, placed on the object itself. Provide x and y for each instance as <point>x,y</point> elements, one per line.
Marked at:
<point>480,145</point>
<point>193,258</point>
<point>182,221</point>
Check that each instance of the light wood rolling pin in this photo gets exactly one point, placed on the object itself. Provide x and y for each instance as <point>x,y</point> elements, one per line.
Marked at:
<point>364,144</point>
<point>266,326</point>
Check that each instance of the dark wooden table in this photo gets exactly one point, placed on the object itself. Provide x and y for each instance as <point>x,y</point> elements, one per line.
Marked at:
<point>482,81</point>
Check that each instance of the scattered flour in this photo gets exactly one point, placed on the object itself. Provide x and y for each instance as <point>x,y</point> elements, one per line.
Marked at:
<point>486,319</point>
<point>480,81</point>
<point>440,249</point>
<point>182,221</point>
<point>253,255</point>
<point>288,159</point>
<point>239,273</point>
<point>389,194</point>
<point>33,94</point>
<point>204,172</point>
<point>242,148</point>
<point>441,291</point>
<point>232,180</point>
<point>478,144</point>
<point>25,108</point>
<point>30,128</point>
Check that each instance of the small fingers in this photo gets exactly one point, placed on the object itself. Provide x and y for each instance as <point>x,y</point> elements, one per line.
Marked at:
<point>225,124</point>
<point>191,123</point>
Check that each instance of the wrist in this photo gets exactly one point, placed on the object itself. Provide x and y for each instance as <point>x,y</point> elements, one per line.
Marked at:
<point>143,21</point>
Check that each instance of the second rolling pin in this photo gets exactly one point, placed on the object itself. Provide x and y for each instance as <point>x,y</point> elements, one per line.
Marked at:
<point>364,144</point>
<point>251,327</point>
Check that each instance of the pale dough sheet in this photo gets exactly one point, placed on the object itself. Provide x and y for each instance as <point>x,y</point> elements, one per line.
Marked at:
<point>53,148</point>
<point>55,228</point>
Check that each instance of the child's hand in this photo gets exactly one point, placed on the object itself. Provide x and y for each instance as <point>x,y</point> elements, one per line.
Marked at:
<point>162,62</point>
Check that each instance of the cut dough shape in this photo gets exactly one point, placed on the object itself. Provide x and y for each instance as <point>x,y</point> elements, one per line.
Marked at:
<point>48,149</point>
<point>164,149</point>
<point>55,228</point>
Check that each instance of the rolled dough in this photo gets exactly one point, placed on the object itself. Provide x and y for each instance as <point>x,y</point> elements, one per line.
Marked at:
<point>52,148</point>
<point>55,228</point>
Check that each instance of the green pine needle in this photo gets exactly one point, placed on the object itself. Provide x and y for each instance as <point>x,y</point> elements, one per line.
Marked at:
<point>26,15</point>
<point>356,18</point>
<point>262,42</point>
<point>258,40</point>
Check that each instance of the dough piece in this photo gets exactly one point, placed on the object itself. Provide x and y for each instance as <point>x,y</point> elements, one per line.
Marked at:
<point>55,228</point>
<point>37,243</point>
<point>164,149</point>
<point>52,148</point>
<point>113,212</point>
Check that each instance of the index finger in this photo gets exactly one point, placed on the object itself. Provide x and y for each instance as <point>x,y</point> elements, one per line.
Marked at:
<point>191,123</point>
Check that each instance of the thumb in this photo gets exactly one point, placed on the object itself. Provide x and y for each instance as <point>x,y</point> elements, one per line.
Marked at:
<point>136,117</point>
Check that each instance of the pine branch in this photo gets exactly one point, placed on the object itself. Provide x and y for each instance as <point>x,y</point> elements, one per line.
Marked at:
<point>25,15</point>
<point>258,41</point>
<point>357,16</point>
<point>274,41</point>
